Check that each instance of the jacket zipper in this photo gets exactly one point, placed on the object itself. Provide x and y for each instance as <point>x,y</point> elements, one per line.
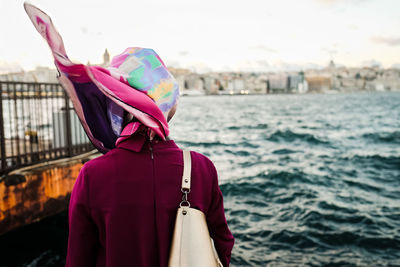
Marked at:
<point>151,151</point>
<point>155,215</point>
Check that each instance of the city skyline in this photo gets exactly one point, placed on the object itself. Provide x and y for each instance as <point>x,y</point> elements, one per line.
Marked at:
<point>212,36</point>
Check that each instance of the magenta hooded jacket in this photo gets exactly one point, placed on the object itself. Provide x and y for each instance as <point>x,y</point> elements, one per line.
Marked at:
<point>123,205</point>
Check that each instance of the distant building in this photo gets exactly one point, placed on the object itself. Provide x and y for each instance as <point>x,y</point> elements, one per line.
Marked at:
<point>388,80</point>
<point>39,75</point>
<point>318,83</point>
<point>260,86</point>
<point>106,58</point>
<point>193,81</point>
<point>333,77</point>
<point>294,82</point>
<point>302,87</point>
<point>178,71</point>
<point>211,84</point>
<point>236,85</point>
<point>278,83</point>
<point>287,83</point>
<point>43,74</point>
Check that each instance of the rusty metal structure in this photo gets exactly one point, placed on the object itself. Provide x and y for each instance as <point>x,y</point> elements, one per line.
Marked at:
<point>37,124</point>
<point>43,147</point>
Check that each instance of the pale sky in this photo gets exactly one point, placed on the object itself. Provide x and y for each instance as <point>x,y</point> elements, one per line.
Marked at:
<point>219,35</point>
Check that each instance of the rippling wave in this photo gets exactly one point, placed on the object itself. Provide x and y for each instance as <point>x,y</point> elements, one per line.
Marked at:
<point>289,136</point>
<point>391,137</point>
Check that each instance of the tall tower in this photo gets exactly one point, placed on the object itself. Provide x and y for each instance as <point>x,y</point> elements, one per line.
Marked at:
<point>106,57</point>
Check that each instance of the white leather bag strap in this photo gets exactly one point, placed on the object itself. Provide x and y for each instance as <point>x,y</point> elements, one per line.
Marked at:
<point>187,169</point>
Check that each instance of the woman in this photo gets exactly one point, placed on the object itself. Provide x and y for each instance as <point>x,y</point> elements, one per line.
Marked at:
<point>123,204</point>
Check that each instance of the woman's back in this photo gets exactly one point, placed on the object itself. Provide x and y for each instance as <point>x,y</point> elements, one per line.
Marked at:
<point>123,206</point>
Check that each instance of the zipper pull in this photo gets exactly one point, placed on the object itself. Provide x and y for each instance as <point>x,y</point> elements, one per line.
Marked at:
<point>151,152</point>
<point>150,144</point>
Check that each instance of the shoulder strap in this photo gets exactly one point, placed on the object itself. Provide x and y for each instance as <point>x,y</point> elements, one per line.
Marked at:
<point>187,169</point>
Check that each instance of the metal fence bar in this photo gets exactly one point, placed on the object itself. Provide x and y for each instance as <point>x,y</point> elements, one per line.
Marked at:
<point>17,144</point>
<point>23,102</point>
<point>37,124</point>
<point>2,141</point>
<point>68,125</point>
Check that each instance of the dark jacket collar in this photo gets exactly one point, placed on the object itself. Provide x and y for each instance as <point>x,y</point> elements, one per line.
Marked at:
<point>137,141</point>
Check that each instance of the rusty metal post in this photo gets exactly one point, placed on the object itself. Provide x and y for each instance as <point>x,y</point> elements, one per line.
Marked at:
<point>2,141</point>
<point>68,125</point>
<point>18,143</point>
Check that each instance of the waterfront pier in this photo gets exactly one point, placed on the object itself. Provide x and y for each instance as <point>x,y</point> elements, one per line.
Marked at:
<point>42,148</point>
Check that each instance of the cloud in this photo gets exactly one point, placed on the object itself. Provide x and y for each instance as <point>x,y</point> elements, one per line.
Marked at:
<point>331,51</point>
<point>9,67</point>
<point>173,63</point>
<point>340,6</point>
<point>263,63</point>
<point>353,27</point>
<point>84,30</point>
<point>334,2</point>
<point>183,53</point>
<point>286,66</point>
<point>396,66</point>
<point>263,48</point>
<point>276,66</point>
<point>371,63</point>
<point>392,41</point>
<point>200,67</point>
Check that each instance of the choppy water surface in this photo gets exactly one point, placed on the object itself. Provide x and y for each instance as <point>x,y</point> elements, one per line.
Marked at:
<point>308,179</point>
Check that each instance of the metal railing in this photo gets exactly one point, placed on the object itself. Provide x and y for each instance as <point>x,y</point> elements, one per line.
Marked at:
<point>37,124</point>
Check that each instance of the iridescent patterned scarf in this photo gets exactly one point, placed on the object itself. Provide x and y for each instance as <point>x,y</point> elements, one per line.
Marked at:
<point>136,82</point>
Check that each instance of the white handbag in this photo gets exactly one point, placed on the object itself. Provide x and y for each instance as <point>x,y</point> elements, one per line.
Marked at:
<point>191,242</point>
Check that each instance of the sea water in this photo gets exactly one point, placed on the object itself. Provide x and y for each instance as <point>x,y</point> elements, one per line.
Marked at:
<point>308,180</point>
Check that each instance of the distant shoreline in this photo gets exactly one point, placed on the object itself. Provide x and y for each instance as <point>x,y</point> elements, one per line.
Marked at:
<point>308,93</point>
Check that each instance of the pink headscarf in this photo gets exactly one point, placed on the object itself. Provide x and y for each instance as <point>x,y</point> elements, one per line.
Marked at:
<point>136,82</point>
